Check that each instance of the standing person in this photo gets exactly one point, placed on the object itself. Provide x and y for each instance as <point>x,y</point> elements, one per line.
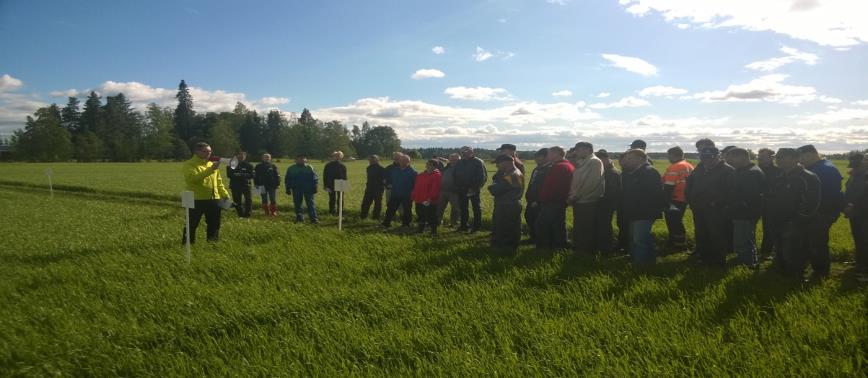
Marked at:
<point>333,170</point>
<point>426,193</point>
<point>387,181</point>
<point>586,190</point>
<point>794,198</point>
<point>674,182</point>
<point>267,178</point>
<point>374,187</point>
<point>534,186</point>
<point>641,203</point>
<point>301,183</point>
<point>239,184</point>
<point>507,187</point>
<point>623,225</point>
<point>509,150</point>
<point>831,204</point>
<point>856,210</point>
<point>470,176</point>
<point>449,193</point>
<point>766,161</point>
<point>708,189</point>
<point>745,206</point>
<point>608,204</point>
<point>202,177</point>
<point>402,180</point>
<point>551,225</point>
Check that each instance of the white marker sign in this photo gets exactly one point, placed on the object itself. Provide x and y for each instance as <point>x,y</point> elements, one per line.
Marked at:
<point>341,186</point>
<point>50,172</point>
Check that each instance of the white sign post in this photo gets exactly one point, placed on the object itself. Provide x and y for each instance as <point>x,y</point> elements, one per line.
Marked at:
<point>341,186</point>
<point>187,202</point>
<point>49,172</point>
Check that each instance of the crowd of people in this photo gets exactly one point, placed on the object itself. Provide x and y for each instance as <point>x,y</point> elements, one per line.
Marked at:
<point>795,192</point>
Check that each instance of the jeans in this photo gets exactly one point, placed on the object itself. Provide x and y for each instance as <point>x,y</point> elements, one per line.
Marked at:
<point>584,228</point>
<point>675,223</point>
<point>531,213</point>
<point>297,197</point>
<point>392,206</point>
<point>375,196</point>
<point>713,235</point>
<point>791,248</point>
<point>242,200</point>
<point>642,242</point>
<point>268,196</point>
<point>551,226</point>
<point>333,202</point>
<point>603,225</point>
<point>473,198</point>
<point>818,242</point>
<point>452,200</point>
<point>744,241</point>
<point>211,210</point>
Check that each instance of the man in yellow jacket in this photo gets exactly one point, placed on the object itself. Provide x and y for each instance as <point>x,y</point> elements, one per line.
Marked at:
<point>202,177</point>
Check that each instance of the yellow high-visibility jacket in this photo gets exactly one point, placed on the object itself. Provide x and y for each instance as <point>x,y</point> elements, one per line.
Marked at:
<point>202,181</point>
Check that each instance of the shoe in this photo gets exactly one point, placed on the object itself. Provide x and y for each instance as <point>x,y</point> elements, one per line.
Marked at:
<point>314,221</point>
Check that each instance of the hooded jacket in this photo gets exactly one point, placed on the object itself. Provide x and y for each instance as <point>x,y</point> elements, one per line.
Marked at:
<point>427,187</point>
<point>642,196</point>
<point>202,181</point>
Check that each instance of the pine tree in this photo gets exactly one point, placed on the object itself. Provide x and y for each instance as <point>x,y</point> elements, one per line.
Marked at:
<point>70,115</point>
<point>185,127</point>
<point>43,137</point>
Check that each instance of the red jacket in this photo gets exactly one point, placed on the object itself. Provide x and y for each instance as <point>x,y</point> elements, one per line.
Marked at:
<point>556,185</point>
<point>427,187</point>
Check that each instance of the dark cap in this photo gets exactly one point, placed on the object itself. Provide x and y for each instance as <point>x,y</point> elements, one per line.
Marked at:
<point>602,154</point>
<point>808,148</point>
<point>502,158</point>
<point>709,151</point>
<point>587,145</point>
<point>507,146</point>
<point>542,152</point>
<point>856,159</point>
<point>788,153</point>
<point>639,143</point>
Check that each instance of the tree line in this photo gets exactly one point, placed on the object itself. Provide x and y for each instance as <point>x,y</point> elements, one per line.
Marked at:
<point>114,131</point>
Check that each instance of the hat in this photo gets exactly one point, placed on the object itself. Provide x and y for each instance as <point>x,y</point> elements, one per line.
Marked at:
<point>502,158</point>
<point>808,148</point>
<point>709,151</point>
<point>639,143</point>
<point>787,152</point>
<point>855,159</point>
<point>507,146</point>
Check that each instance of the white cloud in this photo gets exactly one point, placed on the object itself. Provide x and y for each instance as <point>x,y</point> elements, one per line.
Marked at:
<point>272,101</point>
<point>438,50</point>
<point>563,93</point>
<point>14,109</point>
<point>626,102</point>
<point>631,64</point>
<point>792,55</point>
<point>558,2</point>
<point>427,74</point>
<point>830,100</point>
<point>603,95</point>
<point>482,55</point>
<point>766,88</point>
<point>861,103</point>
<point>477,93</point>
<point>502,20</point>
<point>661,90</point>
<point>834,116</point>
<point>838,23</point>
<point>67,93</point>
<point>9,83</point>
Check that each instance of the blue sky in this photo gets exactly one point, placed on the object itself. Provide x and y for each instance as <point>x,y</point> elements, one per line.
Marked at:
<point>535,72</point>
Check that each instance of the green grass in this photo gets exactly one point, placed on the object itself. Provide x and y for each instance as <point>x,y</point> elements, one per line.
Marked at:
<point>94,282</point>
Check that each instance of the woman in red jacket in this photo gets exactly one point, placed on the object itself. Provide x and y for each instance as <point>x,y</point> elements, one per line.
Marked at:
<point>426,191</point>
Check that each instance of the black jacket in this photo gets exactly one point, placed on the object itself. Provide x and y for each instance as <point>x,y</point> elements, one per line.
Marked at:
<point>333,170</point>
<point>376,177</point>
<point>793,197</point>
<point>470,174</point>
<point>240,176</point>
<point>535,184</point>
<point>746,198</point>
<point>857,192</point>
<point>387,180</point>
<point>642,196</point>
<point>266,174</point>
<point>710,189</point>
<point>771,171</point>
<point>614,190</point>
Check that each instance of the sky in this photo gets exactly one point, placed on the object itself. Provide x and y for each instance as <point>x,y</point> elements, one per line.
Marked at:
<point>769,73</point>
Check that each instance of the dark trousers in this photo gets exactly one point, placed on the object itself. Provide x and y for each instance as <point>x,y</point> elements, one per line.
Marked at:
<point>531,213</point>
<point>333,202</point>
<point>299,196</point>
<point>468,199</point>
<point>426,216</point>
<point>375,196</point>
<point>451,199</point>
<point>584,227</point>
<point>818,242</point>
<point>243,201</point>
<point>506,225</point>
<point>713,235</point>
<point>767,247</point>
<point>859,228</point>
<point>791,248</point>
<point>211,210</point>
<point>624,237</point>
<point>551,226</point>
<point>392,206</point>
<point>675,223</point>
<point>603,226</point>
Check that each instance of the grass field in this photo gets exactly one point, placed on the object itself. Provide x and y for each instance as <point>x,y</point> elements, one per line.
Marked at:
<point>94,282</point>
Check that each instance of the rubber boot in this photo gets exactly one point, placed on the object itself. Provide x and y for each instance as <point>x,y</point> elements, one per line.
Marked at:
<point>266,209</point>
<point>273,209</point>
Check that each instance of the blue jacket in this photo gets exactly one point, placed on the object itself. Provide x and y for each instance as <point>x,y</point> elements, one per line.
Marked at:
<point>831,196</point>
<point>402,182</point>
<point>301,178</point>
